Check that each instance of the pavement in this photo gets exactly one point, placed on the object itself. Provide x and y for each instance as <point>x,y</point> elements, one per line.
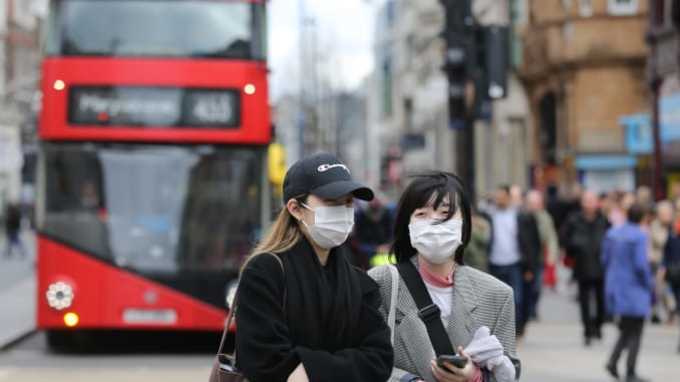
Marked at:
<point>552,350</point>
<point>17,292</point>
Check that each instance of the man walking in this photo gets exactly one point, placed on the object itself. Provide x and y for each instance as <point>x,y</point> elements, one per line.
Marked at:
<point>515,251</point>
<point>581,237</point>
<point>628,287</point>
<point>13,231</point>
<point>549,245</point>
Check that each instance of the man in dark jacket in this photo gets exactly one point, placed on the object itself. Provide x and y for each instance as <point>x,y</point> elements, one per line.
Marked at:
<point>372,236</point>
<point>671,264</point>
<point>581,237</point>
<point>515,251</point>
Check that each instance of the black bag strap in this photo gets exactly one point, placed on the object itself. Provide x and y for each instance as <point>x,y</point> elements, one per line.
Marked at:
<point>427,310</point>
<point>232,314</point>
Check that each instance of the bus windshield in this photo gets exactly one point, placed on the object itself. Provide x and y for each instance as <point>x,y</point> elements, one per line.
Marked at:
<point>157,28</point>
<point>154,209</point>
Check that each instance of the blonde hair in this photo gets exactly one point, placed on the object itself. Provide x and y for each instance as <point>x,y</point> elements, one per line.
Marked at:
<point>281,236</point>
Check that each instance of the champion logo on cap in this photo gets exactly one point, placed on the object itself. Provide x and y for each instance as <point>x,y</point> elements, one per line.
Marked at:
<point>326,167</point>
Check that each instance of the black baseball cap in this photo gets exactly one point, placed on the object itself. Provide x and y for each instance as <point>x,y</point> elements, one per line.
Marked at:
<point>322,175</point>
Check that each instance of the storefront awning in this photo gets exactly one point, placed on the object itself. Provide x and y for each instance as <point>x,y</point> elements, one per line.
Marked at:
<point>669,111</point>
<point>599,162</point>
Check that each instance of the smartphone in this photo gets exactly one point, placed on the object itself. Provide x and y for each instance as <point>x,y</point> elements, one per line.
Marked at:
<point>454,360</point>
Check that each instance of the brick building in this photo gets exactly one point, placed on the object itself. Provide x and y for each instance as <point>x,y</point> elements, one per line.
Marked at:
<point>584,68</point>
<point>664,74</point>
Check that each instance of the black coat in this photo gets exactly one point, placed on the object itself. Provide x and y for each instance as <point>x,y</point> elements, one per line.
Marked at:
<point>528,241</point>
<point>329,320</point>
<point>582,240</point>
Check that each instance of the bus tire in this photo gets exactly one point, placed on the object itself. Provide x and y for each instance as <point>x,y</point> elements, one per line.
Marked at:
<point>60,340</point>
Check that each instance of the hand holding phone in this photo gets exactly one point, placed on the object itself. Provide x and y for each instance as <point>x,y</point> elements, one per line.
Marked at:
<point>455,360</point>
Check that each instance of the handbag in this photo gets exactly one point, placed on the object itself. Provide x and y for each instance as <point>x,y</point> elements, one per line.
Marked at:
<point>224,368</point>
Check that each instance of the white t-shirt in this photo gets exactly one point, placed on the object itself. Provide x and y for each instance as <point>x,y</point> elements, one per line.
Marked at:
<point>442,297</point>
<point>505,246</point>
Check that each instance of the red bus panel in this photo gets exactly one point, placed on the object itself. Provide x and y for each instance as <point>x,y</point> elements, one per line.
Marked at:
<point>106,297</point>
<point>247,78</point>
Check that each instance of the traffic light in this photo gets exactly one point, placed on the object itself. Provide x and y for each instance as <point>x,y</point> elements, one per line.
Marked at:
<point>458,58</point>
<point>489,71</point>
<point>496,60</point>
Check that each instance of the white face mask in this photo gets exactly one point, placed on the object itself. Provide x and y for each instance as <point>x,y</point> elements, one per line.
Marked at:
<point>437,242</point>
<point>332,225</point>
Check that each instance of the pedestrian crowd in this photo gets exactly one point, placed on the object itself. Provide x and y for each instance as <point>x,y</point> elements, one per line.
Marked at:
<point>623,250</point>
<point>451,285</point>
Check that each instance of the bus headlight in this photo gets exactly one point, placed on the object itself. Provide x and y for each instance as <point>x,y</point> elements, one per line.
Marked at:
<point>59,295</point>
<point>71,319</point>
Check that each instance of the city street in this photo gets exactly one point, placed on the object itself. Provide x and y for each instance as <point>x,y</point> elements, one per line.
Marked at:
<point>157,145</point>
<point>29,361</point>
<point>17,290</point>
<point>552,351</point>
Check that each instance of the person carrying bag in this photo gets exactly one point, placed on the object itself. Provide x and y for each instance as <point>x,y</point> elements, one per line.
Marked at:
<point>330,328</point>
<point>440,311</point>
<point>224,367</point>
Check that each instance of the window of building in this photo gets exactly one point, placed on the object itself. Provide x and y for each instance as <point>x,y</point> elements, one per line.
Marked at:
<point>548,128</point>
<point>585,8</point>
<point>519,16</point>
<point>658,10</point>
<point>387,88</point>
<point>3,17</point>
<point>623,7</point>
<point>390,13</point>
<point>518,12</point>
<point>668,12</point>
<point>661,11</point>
<point>22,14</point>
<point>408,114</point>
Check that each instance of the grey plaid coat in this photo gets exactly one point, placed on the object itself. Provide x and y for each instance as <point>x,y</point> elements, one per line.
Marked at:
<point>478,300</point>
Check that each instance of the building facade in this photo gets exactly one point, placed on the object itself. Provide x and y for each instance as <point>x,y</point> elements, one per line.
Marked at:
<point>408,102</point>
<point>407,110</point>
<point>583,67</point>
<point>664,76</point>
<point>20,57</point>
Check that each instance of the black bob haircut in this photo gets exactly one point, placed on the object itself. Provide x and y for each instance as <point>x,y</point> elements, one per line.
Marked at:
<point>422,189</point>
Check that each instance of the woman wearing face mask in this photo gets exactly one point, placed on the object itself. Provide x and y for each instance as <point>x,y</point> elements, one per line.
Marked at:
<point>463,311</point>
<point>317,318</point>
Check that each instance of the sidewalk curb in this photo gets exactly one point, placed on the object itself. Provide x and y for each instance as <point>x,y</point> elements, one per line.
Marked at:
<point>18,321</point>
<point>20,338</point>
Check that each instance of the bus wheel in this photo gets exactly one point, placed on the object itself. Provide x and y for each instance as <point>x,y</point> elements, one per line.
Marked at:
<point>60,340</point>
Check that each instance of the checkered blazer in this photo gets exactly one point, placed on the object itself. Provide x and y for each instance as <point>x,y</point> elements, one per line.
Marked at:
<point>478,300</point>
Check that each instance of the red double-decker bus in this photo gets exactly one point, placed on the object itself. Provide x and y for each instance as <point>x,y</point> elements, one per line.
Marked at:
<point>151,177</point>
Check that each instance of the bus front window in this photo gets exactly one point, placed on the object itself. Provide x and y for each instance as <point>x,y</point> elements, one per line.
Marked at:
<point>154,209</point>
<point>151,28</point>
